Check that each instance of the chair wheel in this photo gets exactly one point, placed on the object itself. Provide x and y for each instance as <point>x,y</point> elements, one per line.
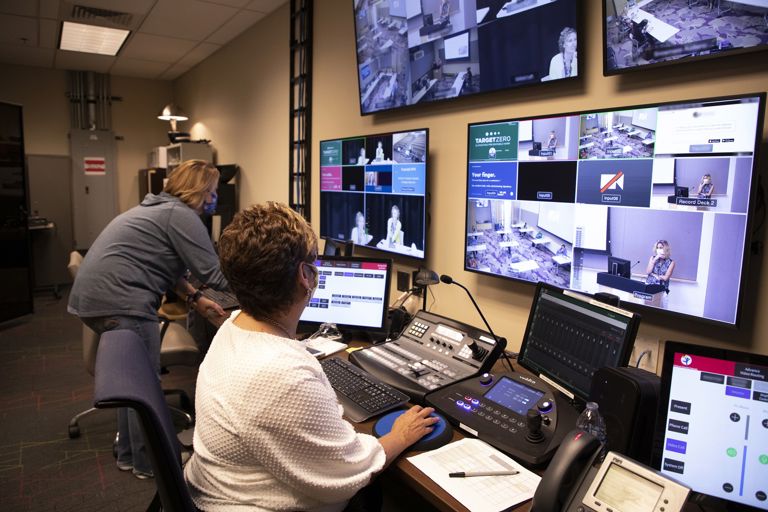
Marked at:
<point>74,431</point>
<point>114,445</point>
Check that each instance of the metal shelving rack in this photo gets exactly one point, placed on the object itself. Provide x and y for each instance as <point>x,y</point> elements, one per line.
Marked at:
<point>299,181</point>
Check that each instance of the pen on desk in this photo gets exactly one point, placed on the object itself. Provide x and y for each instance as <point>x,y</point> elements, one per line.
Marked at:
<point>467,474</point>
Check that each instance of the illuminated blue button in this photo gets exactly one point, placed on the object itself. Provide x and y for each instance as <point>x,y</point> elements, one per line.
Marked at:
<point>475,401</point>
<point>459,402</point>
<point>467,406</point>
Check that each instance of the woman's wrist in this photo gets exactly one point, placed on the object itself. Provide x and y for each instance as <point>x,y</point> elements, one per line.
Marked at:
<point>194,296</point>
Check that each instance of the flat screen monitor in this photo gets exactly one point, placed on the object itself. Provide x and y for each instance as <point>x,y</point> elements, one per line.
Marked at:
<point>420,51</point>
<point>352,293</point>
<point>657,32</point>
<point>713,424</point>
<point>373,191</point>
<point>569,337</point>
<point>619,267</point>
<point>605,185</point>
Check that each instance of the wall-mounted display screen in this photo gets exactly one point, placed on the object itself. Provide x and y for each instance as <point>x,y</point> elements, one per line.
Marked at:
<point>419,51</point>
<point>373,191</point>
<point>642,33</point>
<point>650,203</point>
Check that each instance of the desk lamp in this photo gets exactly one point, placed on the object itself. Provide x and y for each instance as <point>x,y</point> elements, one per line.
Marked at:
<point>173,113</point>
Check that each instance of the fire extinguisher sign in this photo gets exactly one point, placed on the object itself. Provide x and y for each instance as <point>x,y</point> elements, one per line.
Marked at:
<point>94,166</point>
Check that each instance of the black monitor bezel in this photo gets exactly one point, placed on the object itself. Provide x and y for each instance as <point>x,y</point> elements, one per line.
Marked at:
<point>425,220</point>
<point>633,324</point>
<point>670,348</point>
<point>749,235</point>
<point>310,326</point>
<point>580,41</point>
<point>682,60</point>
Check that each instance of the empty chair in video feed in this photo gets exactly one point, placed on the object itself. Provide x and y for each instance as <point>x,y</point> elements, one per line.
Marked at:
<point>688,262</point>
<point>716,184</point>
<point>554,138</point>
<point>523,239</point>
<point>624,134</point>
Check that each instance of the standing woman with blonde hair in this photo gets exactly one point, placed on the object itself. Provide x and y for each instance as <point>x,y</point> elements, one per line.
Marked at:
<point>140,255</point>
<point>660,265</point>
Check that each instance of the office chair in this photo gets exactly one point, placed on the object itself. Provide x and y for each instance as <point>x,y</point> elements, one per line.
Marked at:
<point>124,378</point>
<point>178,349</point>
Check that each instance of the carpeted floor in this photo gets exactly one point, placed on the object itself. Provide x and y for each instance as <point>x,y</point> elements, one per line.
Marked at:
<point>44,383</point>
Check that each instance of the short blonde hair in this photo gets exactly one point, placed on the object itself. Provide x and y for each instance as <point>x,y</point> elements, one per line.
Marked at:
<point>191,180</point>
<point>261,251</point>
<point>665,245</point>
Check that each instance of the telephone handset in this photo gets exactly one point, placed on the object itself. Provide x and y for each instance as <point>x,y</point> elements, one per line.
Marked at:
<point>620,484</point>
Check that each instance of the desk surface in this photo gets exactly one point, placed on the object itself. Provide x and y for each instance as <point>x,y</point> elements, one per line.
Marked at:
<point>524,266</point>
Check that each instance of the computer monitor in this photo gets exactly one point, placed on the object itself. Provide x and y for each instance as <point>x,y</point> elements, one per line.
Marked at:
<point>619,267</point>
<point>373,191</point>
<point>570,336</point>
<point>352,293</point>
<point>602,188</point>
<point>681,191</point>
<point>712,432</point>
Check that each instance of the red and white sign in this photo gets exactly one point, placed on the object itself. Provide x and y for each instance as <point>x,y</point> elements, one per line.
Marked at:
<point>95,165</point>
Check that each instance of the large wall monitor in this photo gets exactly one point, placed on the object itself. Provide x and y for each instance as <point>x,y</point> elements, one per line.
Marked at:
<point>651,203</point>
<point>643,33</point>
<point>373,191</point>
<point>418,51</point>
<point>713,424</point>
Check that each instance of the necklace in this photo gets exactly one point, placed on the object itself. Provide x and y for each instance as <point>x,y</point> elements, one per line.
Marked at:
<point>275,323</point>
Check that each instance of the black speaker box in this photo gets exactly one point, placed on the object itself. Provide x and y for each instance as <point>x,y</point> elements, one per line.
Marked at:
<point>628,399</point>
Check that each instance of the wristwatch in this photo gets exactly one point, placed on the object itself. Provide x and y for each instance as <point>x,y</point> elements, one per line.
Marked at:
<point>194,297</point>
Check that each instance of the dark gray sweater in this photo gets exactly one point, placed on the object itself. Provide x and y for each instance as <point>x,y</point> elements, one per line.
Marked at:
<point>140,255</point>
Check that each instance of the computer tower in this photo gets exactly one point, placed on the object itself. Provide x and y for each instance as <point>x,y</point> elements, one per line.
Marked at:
<point>628,399</point>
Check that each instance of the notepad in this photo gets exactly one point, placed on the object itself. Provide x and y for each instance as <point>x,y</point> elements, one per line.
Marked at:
<point>322,347</point>
<point>482,493</point>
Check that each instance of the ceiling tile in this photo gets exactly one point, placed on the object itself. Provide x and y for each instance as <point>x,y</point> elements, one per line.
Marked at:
<point>138,68</point>
<point>187,19</point>
<point>27,55</point>
<point>231,3</point>
<point>83,61</point>
<point>156,48</point>
<point>49,33</point>
<point>138,7</point>
<point>234,27</point>
<point>265,6</point>
<point>200,52</point>
<point>20,7</point>
<point>14,29</point>
<point>174,72</point>
<point>49,9</point>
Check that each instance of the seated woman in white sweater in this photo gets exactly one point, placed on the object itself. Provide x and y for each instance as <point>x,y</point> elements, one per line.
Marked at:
<point>269,432</point>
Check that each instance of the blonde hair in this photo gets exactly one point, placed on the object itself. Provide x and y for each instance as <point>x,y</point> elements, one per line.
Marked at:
<point>191,181</point>
<point>665,245</point>
<point>261,251</point>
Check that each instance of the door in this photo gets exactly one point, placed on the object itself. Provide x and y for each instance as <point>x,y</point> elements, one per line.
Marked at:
<point>15,251</point>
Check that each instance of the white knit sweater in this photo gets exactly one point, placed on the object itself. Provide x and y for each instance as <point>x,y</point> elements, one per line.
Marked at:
<point>269,433</point>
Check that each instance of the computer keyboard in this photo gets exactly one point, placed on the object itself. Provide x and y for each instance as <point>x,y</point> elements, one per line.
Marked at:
<point>360,393</point>
<point>226,300</point>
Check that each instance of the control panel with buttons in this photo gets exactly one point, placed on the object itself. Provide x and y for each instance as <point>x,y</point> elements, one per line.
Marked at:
<point>431,353</point>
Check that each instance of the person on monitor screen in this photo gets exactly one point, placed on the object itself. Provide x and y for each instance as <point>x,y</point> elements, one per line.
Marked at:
<point>562,251</point>
<point>565,63</point>
<point>552,142</point>
<point>660,265</point>
<point>360,234</point>
<point>706,187</point>
<point>445,10</point>
<point>142,254</point>
<point>379,152</point>
<point>362,160</point>
<point>394,227</point>
<point>269,432</point>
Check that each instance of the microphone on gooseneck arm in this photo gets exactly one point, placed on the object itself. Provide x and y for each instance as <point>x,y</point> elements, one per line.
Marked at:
<point>478,352</point>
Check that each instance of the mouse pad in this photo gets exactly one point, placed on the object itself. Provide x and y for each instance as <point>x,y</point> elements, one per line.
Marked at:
<point>441,434</point>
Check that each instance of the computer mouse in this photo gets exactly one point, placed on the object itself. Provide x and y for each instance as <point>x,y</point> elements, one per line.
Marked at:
<point>442,431</point>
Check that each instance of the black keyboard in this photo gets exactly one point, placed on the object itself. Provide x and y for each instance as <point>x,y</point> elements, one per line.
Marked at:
<point>361,394</point>
<point>226,300</point>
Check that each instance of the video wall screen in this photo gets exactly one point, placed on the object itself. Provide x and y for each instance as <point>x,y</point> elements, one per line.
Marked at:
<point>649,203</point>
<point>373,191</point>
<point>420,51</point>
<point>642,33</point>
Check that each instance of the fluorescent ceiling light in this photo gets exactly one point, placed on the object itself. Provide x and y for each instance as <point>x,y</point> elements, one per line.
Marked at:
<point>77,37</point>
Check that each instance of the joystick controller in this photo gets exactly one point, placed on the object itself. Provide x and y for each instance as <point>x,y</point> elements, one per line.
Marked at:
<point>478,352</point>
<point>533,422</point>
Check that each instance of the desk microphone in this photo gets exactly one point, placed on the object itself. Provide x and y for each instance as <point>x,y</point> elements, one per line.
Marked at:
<point>633,265</point>
<point>478,352</point>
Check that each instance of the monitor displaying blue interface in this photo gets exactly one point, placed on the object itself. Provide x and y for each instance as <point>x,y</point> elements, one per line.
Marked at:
<point>650,203</point>
<point>373,191</point>
<point>713,422</point>
<point>644,33</point>
<point>419,51</point>
<point>351,292</point>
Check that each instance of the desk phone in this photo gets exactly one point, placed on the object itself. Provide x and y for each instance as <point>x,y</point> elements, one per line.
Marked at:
<point>431,353</point>
<point>516,413</point>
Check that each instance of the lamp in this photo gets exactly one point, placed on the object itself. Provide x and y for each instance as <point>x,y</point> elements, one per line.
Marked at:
<point>172,112</point>
<point>424,278</point>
